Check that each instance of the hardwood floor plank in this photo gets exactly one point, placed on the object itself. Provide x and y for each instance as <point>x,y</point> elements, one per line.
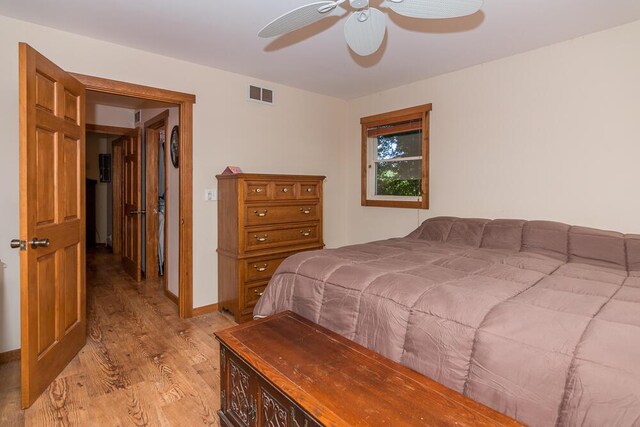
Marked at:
<point>142,365</point>
<point>62,404</point>
<point>10,374</point>
<point>195,406</point>
<point>10,413</point>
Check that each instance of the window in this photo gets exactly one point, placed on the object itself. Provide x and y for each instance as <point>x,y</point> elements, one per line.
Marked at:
<point>395,158</point>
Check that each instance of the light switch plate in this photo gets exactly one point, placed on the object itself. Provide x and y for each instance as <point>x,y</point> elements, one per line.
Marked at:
<point>210,195</point>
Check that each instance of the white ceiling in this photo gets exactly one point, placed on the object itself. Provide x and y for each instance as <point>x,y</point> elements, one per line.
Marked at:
<point>223,35</point>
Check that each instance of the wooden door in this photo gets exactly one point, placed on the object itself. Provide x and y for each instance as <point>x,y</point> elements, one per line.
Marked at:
<point>52,221</point>
<point>116,184</point>
<point>132,207</point>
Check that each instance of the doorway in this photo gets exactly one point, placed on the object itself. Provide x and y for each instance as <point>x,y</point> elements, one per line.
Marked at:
<point>149,207</point>
<point>157,100</point>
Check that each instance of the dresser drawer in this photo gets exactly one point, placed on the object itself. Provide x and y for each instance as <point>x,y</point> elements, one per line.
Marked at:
<point>251,293</point>
<point>284,191</point>
<point>269,214</point>
<point>257,190</point>
<point>271,237</point>
<point>261,268</point>
<point>308,190</point>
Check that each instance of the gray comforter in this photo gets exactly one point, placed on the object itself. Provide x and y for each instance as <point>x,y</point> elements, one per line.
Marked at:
<point>538,320</point>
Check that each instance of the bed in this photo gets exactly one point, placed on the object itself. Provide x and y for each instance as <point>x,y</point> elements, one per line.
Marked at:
<point>536,319</point>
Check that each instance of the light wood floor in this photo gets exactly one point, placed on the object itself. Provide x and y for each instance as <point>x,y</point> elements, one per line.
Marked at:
<point>142,364</point>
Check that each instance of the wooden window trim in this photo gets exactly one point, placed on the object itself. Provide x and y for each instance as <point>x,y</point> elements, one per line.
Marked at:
<point>406,114</point>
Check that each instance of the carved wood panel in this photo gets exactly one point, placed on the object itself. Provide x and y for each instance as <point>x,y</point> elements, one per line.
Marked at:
<point>272,413</point>
<point>239,403</point>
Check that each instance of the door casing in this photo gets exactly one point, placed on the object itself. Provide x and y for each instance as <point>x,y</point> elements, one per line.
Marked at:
<point>185,103</point>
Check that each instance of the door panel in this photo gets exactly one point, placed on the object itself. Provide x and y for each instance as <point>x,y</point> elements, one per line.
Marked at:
<point>117,177</point>
<point>70,159</point>
<point>152,137</point>
<point>70,302</point>
<point>52,174</point>
<point>46,266</point>
<point>45,153</point>
<point>132,220</point>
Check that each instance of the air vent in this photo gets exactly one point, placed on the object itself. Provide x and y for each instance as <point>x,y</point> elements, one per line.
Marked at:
<point>261,95</point>
<point>136,116</point>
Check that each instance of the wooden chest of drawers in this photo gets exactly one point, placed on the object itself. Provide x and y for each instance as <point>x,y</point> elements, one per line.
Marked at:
<point>262,219</point>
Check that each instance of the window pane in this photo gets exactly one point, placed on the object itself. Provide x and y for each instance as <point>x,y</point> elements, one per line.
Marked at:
<point>406,144</point>
<point>403,178</point>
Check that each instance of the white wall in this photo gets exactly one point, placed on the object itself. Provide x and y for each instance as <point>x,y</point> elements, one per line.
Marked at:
<point>303,133</point>
<point>549,134</point>
<point>107,115</point>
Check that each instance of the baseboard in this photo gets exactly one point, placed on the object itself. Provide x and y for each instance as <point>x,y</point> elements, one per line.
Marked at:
<point>205,309</point>
<point>9,356</point>
<point>171,296</point>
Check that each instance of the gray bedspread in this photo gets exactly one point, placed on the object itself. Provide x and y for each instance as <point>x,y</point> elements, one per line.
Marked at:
<point>538,320</point>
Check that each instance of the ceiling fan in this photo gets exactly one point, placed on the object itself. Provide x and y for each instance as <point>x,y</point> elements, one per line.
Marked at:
<point>365,29</point>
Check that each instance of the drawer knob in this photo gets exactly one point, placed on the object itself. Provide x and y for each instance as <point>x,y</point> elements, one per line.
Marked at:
<point>305,233</point>
<point>309,190</point>
<point>305,211</point>
<point>258,190</point>
<point>262,238</point>
<point>261,214</point>
<point>261,269</point>
<point>285,190</point>
<point>257,292</point>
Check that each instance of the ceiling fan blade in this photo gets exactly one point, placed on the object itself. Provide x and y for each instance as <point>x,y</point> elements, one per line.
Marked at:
<point>434,9</point>
<point>364,36</point>
<point>298,18</point>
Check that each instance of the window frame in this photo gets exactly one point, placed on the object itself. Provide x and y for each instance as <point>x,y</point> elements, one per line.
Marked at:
<point>367,198</point>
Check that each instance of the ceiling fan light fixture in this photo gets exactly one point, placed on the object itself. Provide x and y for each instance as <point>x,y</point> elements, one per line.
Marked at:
<point>359,4</point>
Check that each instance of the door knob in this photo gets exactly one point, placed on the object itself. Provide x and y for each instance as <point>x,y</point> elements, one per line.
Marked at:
<point>19,244</point>
<point>137,212</point>
<point>39,243</point>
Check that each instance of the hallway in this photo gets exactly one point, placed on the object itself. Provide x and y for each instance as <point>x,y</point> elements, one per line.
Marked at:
<point>142,364</point>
